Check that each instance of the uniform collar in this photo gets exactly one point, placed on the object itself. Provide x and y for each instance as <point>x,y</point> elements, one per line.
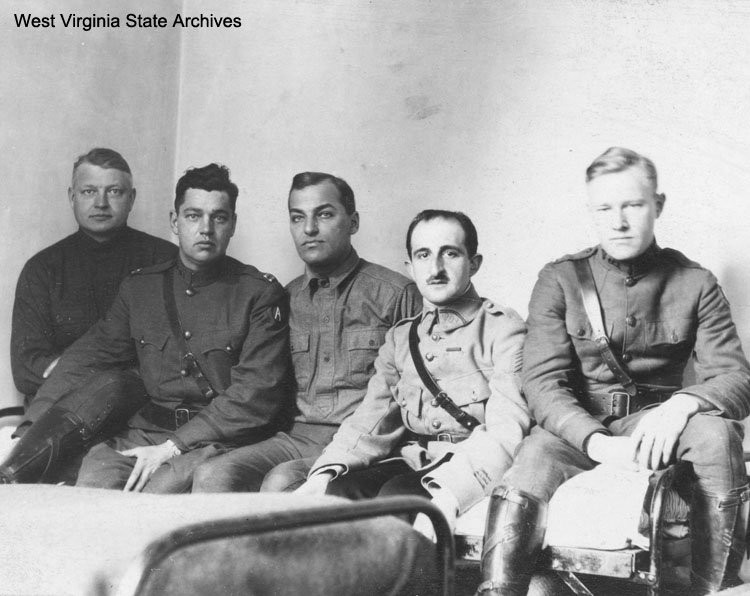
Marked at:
<point>88,243</point>
<point>204,277</point>
<point>337,275</point>
<point>454,315</point>
<point>636,267</point>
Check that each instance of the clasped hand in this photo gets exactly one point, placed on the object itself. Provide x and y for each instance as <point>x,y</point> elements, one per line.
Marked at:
<point>652,443</point>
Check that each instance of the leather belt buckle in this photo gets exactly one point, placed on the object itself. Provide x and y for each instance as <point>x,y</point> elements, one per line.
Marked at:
<point>181,416</point>
<point>444,437</point>
<point>620,405</point>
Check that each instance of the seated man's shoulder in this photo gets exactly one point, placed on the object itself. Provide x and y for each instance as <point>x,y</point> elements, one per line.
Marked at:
<point>51,255</point>
<point>384,275</point>
<point>152,269</point>
<point>158,245</point>
<point>503,317</point>
<point>564,266</point>
<point>576,256</point>
<point>678,259</point>
<point>400,329</point>
<point>252,276</point>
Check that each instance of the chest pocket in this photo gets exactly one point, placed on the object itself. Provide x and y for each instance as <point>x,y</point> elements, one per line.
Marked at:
<point>471,390</point>
<point>220,353</point>
<point>578,327</point>
<point>672,337</point>
<point>362,348</point>
<point>150,348</point>
<point>300,347</point>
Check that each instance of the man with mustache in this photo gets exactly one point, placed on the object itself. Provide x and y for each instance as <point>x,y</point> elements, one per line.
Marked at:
<point>210,339</point>
<point>611,330</point>
<point>444,408</point>
<point>341,308</point>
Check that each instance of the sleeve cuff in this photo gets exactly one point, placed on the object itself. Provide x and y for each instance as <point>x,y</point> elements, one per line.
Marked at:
<point>585,444</point>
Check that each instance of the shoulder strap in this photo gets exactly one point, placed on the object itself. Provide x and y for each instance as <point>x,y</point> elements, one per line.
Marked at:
<point>189,360</point>
<point>443,399</point>
<point>594,314</point>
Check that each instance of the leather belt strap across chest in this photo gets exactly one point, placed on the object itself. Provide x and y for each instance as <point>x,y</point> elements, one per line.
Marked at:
<point>594,314</point>
<point>441,397</point>
<point>189,360</point>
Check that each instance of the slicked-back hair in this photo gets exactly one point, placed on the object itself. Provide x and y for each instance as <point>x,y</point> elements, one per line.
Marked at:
<point>211,177</point>
<point>470,232</point>
<point>619,159</point>
<point>104,158</point>
<point>346,194</point>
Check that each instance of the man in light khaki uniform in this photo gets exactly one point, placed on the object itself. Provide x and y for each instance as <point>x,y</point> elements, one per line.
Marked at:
<point>473,348</point>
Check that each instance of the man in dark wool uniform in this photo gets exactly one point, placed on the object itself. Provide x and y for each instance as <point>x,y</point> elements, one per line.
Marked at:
<point>67,287</point>
<point>210,339</point>
<point>611,330</point>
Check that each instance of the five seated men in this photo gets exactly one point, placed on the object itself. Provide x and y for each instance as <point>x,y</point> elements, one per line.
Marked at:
<point>610,331</point>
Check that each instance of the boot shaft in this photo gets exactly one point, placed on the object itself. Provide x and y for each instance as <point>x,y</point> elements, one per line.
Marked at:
<point>512,541</point>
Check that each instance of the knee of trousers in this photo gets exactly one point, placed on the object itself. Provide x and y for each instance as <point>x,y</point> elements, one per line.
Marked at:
<point>214,475</point>
<point>535,471</point>
<point>711,439</point>
<point>283,478</point>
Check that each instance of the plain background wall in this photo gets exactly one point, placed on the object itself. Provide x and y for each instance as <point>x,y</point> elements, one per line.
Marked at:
<point>494,108</point>
<point>62,92</point>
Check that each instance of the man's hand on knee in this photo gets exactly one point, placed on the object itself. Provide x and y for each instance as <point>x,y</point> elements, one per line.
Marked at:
<point>656,434</point>
<point>148,460</point>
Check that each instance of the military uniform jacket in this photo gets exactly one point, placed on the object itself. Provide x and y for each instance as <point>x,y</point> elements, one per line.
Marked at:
<point>657,310</point>
<point>237,320</point>
<point>337,325</point>
<point>473,348</point>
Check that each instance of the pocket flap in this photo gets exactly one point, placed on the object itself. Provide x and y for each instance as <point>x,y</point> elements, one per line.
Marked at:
<point>577,325</point>
<point>214,340</point>
<point>299,342</point>
<point>468,390</point>
<point>672,331</point>
<point>149,338</point>
<point>365,339</point>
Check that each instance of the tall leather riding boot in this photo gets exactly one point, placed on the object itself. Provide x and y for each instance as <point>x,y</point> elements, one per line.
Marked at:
<point>513,538</point>
<point>718,526</point>
<point>73,424</point>
<point>55,433</point>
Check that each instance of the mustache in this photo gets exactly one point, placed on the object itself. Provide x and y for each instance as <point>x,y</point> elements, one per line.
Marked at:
<point>438,277</point>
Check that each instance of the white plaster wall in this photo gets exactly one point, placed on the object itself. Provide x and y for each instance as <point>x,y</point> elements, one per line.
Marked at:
<point>62,92</point>
<point>494,108</point>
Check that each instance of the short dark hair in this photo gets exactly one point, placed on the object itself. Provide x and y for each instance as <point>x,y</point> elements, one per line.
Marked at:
<point>346,194</point>
<point>104,158</point>
<point>618,159</point>
<point>470,232</point>
<point>211,177</point>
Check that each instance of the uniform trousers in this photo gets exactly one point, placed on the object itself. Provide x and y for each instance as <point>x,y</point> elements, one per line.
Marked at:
<point>286,456</point>
<point>385,479</point>
<point>712,444</point>
<point>104,467</point>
